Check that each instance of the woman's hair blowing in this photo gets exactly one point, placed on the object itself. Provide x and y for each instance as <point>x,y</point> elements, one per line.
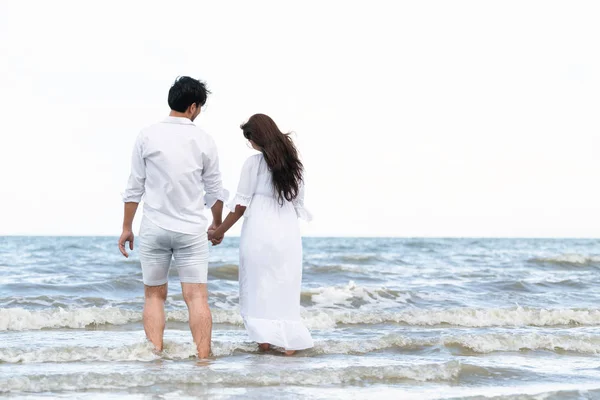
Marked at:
<point>280,154</point>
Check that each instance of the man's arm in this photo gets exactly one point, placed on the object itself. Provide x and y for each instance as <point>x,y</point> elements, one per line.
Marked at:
<point>127,235</point>
<point>215,195</point>
<point>133,195</point>
<point>217,213</point>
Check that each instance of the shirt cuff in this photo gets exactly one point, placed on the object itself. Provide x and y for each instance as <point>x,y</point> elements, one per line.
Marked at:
<point>131,197</point>
<point>211,198</point>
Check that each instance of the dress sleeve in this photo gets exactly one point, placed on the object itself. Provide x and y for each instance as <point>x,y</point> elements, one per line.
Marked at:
<point>298,202</point>
<point>247,185</point>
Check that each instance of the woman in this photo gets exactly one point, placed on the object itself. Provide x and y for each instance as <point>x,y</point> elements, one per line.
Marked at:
<point>270,195</point>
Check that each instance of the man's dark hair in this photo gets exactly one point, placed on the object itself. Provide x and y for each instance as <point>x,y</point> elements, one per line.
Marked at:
<point>187,91</point>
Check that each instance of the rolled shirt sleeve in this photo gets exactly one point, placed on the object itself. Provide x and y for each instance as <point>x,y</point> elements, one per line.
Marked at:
<point>135,185</point>
<point>211,175</point>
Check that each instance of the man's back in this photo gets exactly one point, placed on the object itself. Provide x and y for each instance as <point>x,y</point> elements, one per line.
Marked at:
<point>173,163</point>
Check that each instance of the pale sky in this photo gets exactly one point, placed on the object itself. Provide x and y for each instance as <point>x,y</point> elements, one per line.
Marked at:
<point>420,118</point>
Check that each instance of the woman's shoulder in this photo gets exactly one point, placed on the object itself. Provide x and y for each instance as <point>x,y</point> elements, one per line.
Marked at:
<point>253,160</point>
<point>252,165</point>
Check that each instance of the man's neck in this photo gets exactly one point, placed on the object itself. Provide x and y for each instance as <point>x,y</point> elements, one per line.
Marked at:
<point>178,114</point>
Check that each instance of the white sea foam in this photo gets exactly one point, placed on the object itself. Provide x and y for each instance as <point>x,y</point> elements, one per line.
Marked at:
<point>478,343</point>
<point>300,377</point>
<point>143,351</point>
<point>17,319</point>
<point>535,392</point>
<point>468,317</point>
<point>568,259</point>
<point>352,296</point>
<point>496,342</point>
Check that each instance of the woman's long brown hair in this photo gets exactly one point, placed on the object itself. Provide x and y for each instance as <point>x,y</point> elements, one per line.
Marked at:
<point>280,154</point>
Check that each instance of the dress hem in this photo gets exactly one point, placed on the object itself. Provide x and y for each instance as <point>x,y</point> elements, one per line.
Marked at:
<point>288,334</point>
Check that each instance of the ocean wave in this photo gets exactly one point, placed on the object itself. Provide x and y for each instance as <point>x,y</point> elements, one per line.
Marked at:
<point>143,351</point>
<point>52,301</point>
<point>575,260</point>
<point>360,258</point>
<point>227,272</point>
<point>476,343</point>
<point>448,371</point>
<point>353,296</point>
<point>469,343</point>
<point>469,317</point>
<point>231,271</point>
<point>18,319</point>
<point>333,268</point>
<point>513,342</point>
<point>591,392</point>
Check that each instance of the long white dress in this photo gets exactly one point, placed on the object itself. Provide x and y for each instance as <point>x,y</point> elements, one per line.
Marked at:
<point>270,260</point>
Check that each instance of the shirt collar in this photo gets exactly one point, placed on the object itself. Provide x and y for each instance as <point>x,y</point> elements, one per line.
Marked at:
<point>178,120</point>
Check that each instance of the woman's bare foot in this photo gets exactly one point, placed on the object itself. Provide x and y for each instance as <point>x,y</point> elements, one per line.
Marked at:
<point>290,352</point>
<point>264,346</point>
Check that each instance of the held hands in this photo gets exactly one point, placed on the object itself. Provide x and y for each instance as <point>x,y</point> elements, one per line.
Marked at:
<point>215,240</point>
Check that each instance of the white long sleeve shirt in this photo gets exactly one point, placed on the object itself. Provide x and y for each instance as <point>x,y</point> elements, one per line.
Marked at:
<point>175,169</point>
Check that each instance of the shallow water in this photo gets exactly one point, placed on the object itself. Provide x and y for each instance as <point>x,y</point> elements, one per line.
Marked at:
<point>392,318</point>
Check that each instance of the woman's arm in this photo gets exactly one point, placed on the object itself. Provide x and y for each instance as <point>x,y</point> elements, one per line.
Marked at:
<point>231,219</point>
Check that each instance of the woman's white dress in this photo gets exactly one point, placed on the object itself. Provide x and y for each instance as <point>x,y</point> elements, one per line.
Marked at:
<point>270,260</point>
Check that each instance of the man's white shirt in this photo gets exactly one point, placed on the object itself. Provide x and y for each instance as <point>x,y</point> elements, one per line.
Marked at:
<point>175,169</point>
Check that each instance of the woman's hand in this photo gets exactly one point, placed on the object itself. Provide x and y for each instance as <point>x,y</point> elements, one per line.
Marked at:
<point>217,233</point>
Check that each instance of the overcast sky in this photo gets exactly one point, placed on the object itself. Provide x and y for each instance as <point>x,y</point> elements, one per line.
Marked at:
<point>420,118</point>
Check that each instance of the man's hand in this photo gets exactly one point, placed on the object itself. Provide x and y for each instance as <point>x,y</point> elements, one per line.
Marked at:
<point>211,233</point>
<point>214,239</point>
<point>126,236</point>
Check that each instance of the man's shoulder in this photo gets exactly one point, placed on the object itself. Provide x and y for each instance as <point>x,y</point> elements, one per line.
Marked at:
<point>151,128</point>
<point>157,133</point>
<point>162,126</point>
<point>201,131</point>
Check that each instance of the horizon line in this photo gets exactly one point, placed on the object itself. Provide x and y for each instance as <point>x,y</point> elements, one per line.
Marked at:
<point>340,237</point>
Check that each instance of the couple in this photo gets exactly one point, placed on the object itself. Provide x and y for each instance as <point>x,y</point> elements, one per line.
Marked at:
<point>175,168</point>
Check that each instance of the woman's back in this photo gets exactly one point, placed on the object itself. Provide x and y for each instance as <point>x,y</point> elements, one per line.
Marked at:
<point>257,193</point>
<point>270,198</point>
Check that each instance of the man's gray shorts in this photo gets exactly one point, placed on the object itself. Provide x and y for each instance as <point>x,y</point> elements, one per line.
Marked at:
<point>188,252</point>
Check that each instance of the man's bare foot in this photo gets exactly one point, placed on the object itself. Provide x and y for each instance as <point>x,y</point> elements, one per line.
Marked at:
<point>264,346</point>
<point>290,352</point>
<point>157,352</point>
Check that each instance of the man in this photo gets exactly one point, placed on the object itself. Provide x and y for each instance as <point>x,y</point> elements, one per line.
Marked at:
<point>173,163</point>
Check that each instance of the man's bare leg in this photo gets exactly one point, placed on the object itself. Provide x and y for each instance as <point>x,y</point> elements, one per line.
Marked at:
<point>154,314</point>
<point>196,298</point>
